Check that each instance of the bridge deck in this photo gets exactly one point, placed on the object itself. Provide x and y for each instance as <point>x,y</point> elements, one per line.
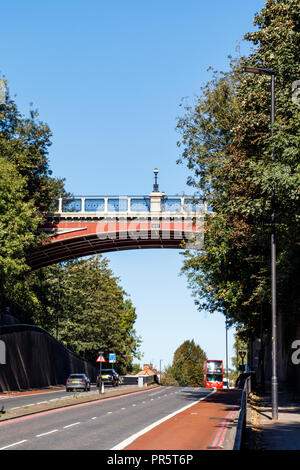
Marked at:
<point>89,225</point>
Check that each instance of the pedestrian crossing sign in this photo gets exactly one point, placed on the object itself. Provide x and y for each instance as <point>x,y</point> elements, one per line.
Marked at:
<point>100,358</point>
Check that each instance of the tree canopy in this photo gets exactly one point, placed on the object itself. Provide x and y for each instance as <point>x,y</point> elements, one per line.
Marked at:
<point>187,367</point>
<point>226,143</point>
<point>82,304</point>
<point>27,191</point>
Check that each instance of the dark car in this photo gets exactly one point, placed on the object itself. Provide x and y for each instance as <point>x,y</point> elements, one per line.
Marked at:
<point>78,382</point>
<point>109,377</point>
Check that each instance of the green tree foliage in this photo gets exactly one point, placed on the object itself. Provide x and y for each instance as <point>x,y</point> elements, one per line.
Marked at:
<point>19,220</point>
<point>187,366</point>
<point>167,377</point>
<point>227,145</point>
<point>27,191</point>
<point>82,304</point>
<point>25,142</point>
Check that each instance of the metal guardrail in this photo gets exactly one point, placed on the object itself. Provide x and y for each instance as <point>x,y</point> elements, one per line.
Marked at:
<point>241,426</point>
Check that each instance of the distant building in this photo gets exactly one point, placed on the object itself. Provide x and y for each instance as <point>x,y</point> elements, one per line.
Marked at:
<point>148,369</point>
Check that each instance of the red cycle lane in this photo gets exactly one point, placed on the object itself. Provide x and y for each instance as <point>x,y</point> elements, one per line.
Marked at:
<point>201,427</point>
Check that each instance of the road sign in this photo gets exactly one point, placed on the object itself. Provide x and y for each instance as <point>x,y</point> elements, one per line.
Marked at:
<point>112,357</point>
<point>100,358</point>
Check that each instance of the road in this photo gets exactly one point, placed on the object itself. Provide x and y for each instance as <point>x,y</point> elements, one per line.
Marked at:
<point>106,424</point>
<point>34,398</point>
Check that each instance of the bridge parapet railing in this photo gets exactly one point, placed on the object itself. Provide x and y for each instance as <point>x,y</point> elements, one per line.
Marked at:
<point>129,205</point>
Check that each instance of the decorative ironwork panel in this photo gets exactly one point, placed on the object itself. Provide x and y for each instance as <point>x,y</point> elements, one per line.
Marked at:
<point>140,205</point>
<point>117,205</point>
<point>94,205</point>
<point>71,205</point>
<point>170,205</point>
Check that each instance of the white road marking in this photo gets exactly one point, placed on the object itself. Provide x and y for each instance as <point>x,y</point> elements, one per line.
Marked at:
<point>73,424</point>
<point>45,433</point>
<point>132,438</point>
<point>14,444</point>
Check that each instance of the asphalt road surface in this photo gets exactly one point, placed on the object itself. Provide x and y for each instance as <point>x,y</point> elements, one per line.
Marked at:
<point>30,399</point>
<point>105,424</point>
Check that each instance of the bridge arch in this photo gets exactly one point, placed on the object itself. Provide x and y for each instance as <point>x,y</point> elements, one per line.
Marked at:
<point>87,225</point>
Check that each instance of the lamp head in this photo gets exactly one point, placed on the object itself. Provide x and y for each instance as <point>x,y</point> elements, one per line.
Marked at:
<point>259,70</point>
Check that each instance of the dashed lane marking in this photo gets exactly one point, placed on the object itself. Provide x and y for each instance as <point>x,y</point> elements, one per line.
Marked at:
<point>46,433</point>
<point>14,444</point>
<point>72,424</point>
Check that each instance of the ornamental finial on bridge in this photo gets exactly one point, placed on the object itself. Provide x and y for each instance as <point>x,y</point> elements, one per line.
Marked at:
<point>155,186</point>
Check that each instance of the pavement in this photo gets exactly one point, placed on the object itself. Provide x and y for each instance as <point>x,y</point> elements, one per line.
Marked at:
<point>263,433</point>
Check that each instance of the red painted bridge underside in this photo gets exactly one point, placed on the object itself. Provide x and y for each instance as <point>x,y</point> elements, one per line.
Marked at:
<point>76,239</point>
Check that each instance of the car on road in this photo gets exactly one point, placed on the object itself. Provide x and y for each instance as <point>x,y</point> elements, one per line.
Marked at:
<point>78,382</point>
<point>109,377</point>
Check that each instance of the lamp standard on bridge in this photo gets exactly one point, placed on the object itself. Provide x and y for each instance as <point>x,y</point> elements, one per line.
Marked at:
<point>155,186</point>
<point>265,71</point>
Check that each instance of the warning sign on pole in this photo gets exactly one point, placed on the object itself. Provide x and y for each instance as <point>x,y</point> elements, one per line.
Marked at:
<point>100,358</point>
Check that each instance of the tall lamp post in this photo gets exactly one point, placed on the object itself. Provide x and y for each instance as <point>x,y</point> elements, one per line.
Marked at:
<point>265,71</point>
<point>226,331</point>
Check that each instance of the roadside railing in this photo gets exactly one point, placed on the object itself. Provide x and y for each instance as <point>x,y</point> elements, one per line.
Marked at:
<point>241,426</point>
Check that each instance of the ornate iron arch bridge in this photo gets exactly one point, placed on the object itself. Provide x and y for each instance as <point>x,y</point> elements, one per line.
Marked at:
<point>86,225</point>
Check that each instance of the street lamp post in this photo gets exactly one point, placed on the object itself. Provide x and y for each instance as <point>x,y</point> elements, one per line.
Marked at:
<point>226,330</point>
<point>265,71</point>
<point>155,186</point>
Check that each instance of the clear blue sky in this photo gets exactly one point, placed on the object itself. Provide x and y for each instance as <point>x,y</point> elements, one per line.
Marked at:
<point>108,77</point>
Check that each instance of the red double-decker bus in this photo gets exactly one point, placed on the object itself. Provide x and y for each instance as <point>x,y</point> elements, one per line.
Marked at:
<point>213,373</point>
